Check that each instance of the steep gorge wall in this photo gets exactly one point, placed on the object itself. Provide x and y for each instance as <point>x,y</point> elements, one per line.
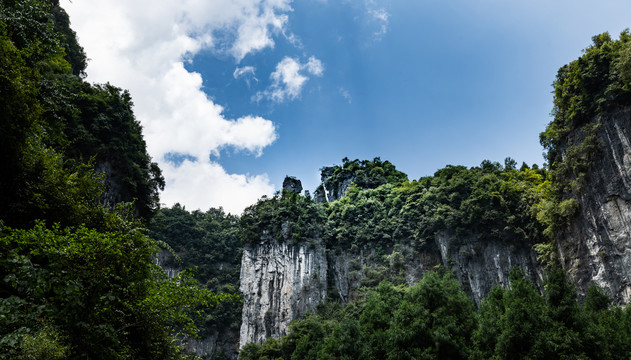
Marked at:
<point>480,265</point>
<point>280,281</point>
<point>596,247</point>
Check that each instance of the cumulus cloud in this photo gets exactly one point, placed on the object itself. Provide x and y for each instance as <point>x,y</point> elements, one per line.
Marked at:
<point>202,185</point>
<point>142,45</point>
<point>289,78</point>
<point>314,66</point>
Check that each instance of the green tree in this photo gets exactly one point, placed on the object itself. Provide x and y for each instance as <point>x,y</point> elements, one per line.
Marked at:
<point>435,320</point>
<point>375,320</point>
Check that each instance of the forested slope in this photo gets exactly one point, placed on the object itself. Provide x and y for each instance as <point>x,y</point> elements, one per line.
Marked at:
<point>77,271</point>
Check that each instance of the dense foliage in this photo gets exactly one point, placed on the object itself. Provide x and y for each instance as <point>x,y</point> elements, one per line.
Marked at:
<point>208,244</point>
<point>590,86</point>
<point>96,294</point>
<point>434,319</point>
<point>52,123</point>
<point>365,173</point>
<point>77,279</point>
<point>286,216</point>
<point>490,201</point>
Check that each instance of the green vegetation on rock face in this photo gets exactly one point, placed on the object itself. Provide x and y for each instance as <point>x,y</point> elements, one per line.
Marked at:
<point>365,174</point>
<point>489,201</point>
<point>434,319</point>
<point>585,92</point>
<point>588,87</point>
<point>383,229</point>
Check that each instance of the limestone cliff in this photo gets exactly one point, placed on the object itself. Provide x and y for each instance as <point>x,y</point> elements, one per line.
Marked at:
<point>480,265</point>
<point>284,274</point>
<point>596,247</point>
<point>332,188</point>
<point>280,281</point>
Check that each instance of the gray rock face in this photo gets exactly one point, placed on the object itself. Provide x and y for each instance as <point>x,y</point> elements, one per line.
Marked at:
<point>330,191</point>
<point>596,248</point>
<point>280,281</point>
<point>292,184</point>
<point>111,196</point>
<point>164,259</point>
<point>480,265</point>
<point>207,347</point>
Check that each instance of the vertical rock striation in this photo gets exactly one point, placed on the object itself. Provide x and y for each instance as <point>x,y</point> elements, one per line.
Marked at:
<point>596,247</point>
<point>480,265</point>
<point>280,281</point>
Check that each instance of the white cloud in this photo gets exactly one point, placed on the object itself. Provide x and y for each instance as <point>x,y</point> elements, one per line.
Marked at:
<point>381,18</point>
<point>202,185</point>
<point>142,45</point>
<point>288,79</point>
<point>346,95</point>
<point>248,73</point>
<point>294,40</point>
<point>314,66</point>
<point>244,72</point>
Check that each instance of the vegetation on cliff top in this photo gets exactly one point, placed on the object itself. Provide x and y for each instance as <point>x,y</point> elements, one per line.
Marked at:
<point>591,86</point>
<point>492,202</point>
<point>52,124</point>
<point>365,174</point>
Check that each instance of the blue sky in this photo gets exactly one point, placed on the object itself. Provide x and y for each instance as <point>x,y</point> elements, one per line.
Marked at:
<point>420,83</point>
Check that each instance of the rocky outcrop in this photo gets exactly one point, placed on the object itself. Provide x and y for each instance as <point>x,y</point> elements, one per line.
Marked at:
<point>113,190</point>
<point>292,184</point>
<point>478,265</point>
<point>166,261</point>
<point>596,247</point>
<point>280,281</point>
<point>332,188</point>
